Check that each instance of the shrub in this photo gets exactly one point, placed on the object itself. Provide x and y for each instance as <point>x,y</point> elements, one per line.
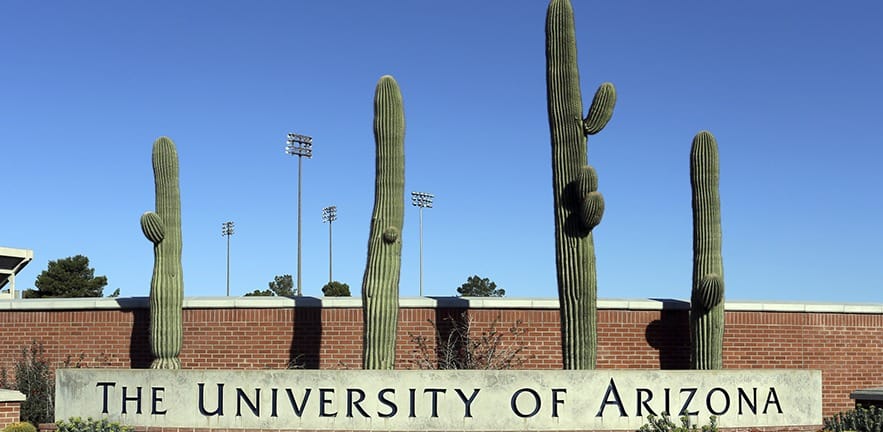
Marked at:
<point>665,424</point>
<point>77,424</point>
<point>861,419</point>
<point>19,427</point>
<point>456,347</point>
<point>34,379</point>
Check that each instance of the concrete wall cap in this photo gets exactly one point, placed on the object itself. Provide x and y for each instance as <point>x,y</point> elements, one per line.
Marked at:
<point>874,394</point>
<point>261,302</point>
<point>11,396</point>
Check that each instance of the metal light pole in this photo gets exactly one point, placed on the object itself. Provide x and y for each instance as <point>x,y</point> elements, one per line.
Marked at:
<point>227,231</point>
<point>300,146</point>
<point>329,214</point>
<point>421,200</point>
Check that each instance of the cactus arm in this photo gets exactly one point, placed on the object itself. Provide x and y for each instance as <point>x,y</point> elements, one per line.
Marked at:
<point>380,286</point>
<point>591,202</point>
<point>578,205</point>
<point>601,109</point>
<point>152,226</point>
<point>163,229</point>
<point>710,291</point>
<point>707,306</point>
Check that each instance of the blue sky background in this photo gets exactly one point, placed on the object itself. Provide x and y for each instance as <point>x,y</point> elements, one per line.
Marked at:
<point>792,91</point>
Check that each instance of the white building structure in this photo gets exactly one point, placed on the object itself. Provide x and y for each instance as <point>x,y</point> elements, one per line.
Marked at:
<point>12,261</point>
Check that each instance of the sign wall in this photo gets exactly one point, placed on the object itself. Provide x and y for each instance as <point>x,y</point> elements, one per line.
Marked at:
<point>438,400</point>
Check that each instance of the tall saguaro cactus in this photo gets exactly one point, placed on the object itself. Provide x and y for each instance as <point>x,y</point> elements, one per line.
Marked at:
<point>380,286</point>
<point>163,228</point>
<point>578,204</point>
<point>707,298</point>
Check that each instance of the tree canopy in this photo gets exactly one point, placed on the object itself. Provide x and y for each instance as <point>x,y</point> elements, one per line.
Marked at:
<point>476,286</point>
<point>336,289</point>
<point>68,277</point>
<point>281,286</point>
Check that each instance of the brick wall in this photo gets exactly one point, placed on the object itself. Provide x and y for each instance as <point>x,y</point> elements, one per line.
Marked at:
<point>9,413</point>
<point>844,342</point>
<point>10,407</point>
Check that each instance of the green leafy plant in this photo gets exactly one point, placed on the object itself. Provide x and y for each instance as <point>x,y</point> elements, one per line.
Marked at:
<point>861,419</point>
<point>336,289</point>
<point>19,427</point>
<point>477,286</point>
<point>67,277</point>
<point>282,286</point>
<point>77,424</point>
<point>664,423</point>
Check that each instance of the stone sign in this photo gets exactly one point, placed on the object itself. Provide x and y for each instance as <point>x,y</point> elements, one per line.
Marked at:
<point>438,400</point>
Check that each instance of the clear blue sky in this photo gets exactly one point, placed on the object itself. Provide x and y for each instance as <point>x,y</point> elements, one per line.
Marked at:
<point>792,91</point>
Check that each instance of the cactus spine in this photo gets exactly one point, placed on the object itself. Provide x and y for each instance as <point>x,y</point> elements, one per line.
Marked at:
<point>706,300</point>
<point>163,228</point>
<point>380,286</point>
<point>578,204</point>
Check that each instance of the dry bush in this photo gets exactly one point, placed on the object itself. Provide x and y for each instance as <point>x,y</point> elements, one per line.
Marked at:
<point>459,345</point>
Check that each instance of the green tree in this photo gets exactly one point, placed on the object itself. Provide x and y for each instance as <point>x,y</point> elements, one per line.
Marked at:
<point>336,289</point>
<point>68,277</point>
<point>476,286</point>
<point>281,286</point>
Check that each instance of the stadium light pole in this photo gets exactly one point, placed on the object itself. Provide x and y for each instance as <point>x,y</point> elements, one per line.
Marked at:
<point>421,200</point>
<point>227,231</point>
<point>300,146</point>
<point>329,214</point>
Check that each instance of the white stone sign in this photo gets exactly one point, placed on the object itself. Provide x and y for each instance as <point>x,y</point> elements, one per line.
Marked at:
<point>438,400</point>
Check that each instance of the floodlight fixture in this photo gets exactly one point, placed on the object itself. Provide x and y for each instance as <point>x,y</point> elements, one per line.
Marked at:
<point>329,214</point>
<point>299,145</point>
<point>422,199</point>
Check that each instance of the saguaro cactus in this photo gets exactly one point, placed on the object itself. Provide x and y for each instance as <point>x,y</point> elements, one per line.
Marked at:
<point>380,286</point>
<point>707,298</point>
<point>578,204</point>
<point>163,228</point>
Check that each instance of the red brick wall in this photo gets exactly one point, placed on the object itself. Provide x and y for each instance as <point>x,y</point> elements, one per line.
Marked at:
<point>846,347</point>
<point>9,413</point>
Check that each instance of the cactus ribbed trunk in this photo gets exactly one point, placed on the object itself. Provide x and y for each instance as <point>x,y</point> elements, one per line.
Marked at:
<point>163,228</point>
<point>380,286</point>
<point>578,204</point>
<point>707,298</point>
